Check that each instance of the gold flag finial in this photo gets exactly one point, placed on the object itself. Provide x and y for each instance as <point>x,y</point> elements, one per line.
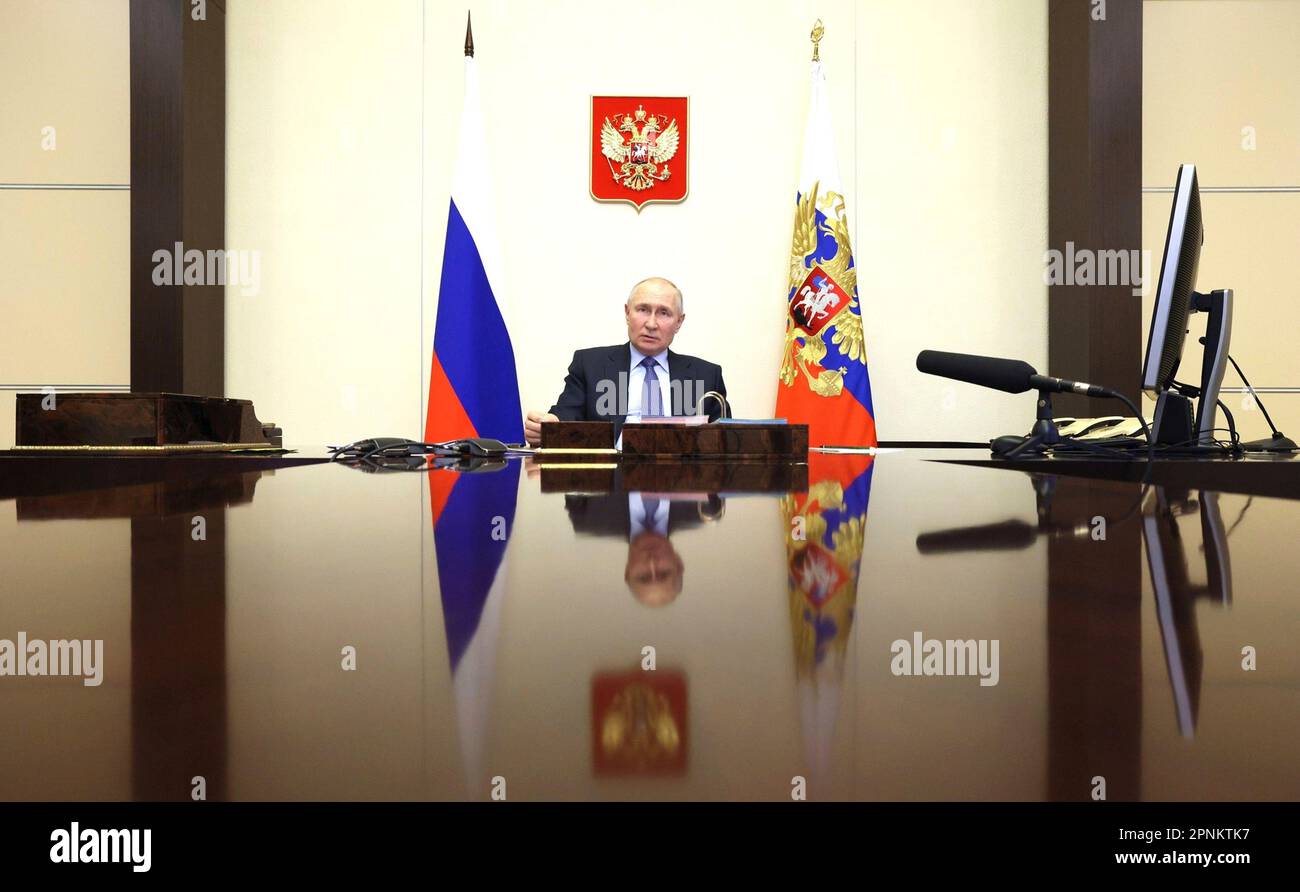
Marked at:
<point>817,33</point>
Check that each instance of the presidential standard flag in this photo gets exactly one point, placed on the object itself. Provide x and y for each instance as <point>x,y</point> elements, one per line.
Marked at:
<point>473,387</point>
<point>823,380</point>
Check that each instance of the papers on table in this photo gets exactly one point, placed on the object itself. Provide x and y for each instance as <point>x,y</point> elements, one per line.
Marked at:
<point>684,420</point>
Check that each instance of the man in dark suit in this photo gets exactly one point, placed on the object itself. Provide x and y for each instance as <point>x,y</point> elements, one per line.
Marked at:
<point>639,378</point>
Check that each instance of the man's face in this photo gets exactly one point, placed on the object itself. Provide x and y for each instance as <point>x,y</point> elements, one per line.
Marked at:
<point>654,570</point>
<point>653,318</point>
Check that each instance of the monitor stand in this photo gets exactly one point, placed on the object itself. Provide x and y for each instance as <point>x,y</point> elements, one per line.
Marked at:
<point>1275,443</point>
<point>1175,424</point>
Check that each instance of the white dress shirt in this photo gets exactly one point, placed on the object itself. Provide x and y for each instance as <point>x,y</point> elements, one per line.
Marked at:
<point>642,520</point>
<point>636,383</point>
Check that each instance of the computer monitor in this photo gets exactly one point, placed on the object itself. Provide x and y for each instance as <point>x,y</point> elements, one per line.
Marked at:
<point>1176,301</point>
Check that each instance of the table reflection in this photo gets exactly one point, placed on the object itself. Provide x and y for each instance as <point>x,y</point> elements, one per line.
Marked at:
<point>1175,595</point>
<point>177,620</point>
<point>667,631</point>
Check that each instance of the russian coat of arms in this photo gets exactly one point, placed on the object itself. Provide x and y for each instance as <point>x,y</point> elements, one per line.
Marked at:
<point>639,149</point>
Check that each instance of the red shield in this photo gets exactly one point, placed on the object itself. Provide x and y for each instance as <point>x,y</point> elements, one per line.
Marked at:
<point>816,301</point>
<point>639,149</point>
<point>817,574</point>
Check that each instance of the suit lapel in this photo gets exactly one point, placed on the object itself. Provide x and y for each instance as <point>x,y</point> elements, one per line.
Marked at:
<point>679,371</point>
<point>618,369</point>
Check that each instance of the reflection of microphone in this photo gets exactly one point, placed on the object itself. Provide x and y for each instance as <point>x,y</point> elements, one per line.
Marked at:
<point>1009,534</point>
<point>1009,375</point>
<point>722,401</point>
<point>1005,536</point>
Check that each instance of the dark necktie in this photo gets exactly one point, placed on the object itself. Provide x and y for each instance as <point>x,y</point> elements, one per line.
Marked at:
<point>651,401</point>
<point>651,509</point>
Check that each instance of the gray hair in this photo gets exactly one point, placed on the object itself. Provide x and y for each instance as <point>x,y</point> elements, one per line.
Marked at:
<point>659,280</point>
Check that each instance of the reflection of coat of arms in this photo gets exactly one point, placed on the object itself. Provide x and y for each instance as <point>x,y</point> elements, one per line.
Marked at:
<point>633,141</point>
<point>639,723</point>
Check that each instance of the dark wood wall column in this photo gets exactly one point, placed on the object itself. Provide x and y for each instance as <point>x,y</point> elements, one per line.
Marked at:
<point>1094,332</point>
<point>178,191</point>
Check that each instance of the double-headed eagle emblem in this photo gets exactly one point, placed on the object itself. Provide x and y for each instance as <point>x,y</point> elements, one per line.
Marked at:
<point>639,144</point>
<point>822,294</point>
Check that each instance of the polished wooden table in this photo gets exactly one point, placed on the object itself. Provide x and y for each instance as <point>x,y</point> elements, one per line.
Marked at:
<point>324,632</point>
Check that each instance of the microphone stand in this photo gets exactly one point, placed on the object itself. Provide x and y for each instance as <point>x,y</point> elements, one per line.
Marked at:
<point>1042,435</point>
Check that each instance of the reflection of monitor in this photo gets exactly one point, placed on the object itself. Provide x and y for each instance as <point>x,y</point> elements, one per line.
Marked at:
<point>1176,596</point>
<point>1176,613</point>
<point>1176,301</point>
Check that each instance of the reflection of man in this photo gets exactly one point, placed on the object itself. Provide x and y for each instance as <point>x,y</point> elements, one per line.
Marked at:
<point>654,570</point>
<point>639,378</point>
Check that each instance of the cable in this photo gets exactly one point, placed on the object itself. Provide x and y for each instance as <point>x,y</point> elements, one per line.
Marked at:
<point>1025,446</point>
<point>1146,429</point>
<point>1232,424</point>
<point>1226,446</point>
<point>1240,517</point>
<point>1090,446</point>
<point>388,447</point>
<point>1258,401</point>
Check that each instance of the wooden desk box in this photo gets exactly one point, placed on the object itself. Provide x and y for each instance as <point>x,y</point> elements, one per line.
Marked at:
<point>577,435</point>
<point>715,442</point>
<point>137,419</point>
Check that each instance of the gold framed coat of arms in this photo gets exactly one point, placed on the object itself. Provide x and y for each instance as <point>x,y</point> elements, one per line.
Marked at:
<point>639,149</point>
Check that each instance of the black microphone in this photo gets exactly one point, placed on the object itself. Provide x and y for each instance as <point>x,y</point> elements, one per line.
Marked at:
<point>1009,375</point>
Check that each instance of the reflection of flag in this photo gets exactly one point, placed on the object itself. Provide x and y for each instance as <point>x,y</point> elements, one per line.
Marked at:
<point>473,388</point>
<point>472,518</point>
<point>823,585</point>
<point>823,379</point>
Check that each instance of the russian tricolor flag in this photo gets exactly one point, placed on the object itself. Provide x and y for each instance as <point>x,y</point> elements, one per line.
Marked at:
<point>473,387</point>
